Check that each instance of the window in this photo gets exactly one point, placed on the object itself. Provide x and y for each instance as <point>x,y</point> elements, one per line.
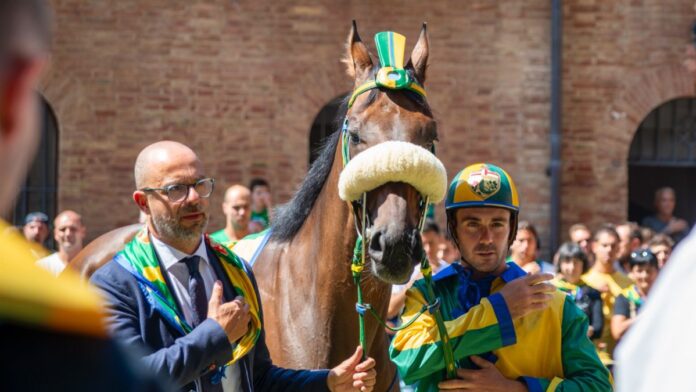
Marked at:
<point>39,192</point>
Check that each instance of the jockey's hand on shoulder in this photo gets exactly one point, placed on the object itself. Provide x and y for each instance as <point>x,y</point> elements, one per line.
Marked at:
<point>528,294</point>
<point>232,316</point>
<point>353,375</point>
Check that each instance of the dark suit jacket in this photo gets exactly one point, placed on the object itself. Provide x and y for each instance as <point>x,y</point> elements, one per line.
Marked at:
<point>184,358</point>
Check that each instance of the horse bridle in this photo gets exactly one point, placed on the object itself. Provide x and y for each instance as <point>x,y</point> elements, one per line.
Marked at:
<point>392,76</point>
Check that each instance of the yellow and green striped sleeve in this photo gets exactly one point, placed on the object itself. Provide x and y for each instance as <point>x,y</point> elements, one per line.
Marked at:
<point>417,350</point>
<point>583,371</point>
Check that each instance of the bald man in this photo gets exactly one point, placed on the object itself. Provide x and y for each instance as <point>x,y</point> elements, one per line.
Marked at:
<point>237,210</point>
<point>69,232</point>
<point>190,303</point>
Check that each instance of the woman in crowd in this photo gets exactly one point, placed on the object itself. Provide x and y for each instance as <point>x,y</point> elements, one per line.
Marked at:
<point>571,262</point>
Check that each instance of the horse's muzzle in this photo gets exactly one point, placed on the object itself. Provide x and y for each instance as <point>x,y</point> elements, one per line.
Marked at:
<point>394,253</point>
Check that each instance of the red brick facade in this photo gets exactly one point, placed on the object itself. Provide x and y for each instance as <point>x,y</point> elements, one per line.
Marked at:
<point>241,83</point>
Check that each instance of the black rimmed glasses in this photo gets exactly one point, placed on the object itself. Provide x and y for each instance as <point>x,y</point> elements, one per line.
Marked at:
<point>179,192</point>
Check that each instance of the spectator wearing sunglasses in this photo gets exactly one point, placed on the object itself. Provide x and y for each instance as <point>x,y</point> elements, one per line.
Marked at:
<point>644,270</point>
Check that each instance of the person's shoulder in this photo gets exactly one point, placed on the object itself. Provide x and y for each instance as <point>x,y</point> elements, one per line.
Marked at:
<point>622,279</point>
<point>652,222</point>
<point>445,274</point>
<point>110,274</point>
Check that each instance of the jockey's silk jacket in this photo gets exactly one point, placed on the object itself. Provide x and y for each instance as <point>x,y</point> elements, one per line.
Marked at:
<point>547,350</point>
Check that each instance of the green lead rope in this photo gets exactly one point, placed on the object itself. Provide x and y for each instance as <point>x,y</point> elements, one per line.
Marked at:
<point>433,306</point>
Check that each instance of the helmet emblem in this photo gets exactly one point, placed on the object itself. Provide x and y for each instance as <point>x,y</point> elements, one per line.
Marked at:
<point>485,183</point>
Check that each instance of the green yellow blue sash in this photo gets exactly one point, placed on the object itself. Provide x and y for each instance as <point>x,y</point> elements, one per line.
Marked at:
<point>139,259</point>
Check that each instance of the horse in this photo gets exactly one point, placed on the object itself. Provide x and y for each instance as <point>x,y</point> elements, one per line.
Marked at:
<point>304,270</point>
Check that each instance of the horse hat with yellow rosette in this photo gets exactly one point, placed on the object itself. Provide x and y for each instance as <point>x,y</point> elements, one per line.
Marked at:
<point>483,185</point>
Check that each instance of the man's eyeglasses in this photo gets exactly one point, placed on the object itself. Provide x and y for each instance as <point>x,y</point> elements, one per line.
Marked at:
<point>179,192</point>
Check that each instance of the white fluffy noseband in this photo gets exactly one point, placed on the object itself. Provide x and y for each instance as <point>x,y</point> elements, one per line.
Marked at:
<point>393,161</point>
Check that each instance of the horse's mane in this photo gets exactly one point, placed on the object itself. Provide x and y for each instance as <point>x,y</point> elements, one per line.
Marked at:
<point>288,218</point>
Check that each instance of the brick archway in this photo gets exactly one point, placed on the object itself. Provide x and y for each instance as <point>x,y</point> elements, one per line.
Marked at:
<point>600,174</point>
<point>644,92</point>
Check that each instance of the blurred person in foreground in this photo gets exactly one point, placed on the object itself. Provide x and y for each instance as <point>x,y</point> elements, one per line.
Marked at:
<point>69,233</point>
<point>571,262</point>
<point>659,350</point>
<point>52,331</point>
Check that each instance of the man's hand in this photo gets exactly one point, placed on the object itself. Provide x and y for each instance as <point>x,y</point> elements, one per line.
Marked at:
<point>528,294</point>
<point>488,379</point>
<point>232,316</point>
<point>353,375</point>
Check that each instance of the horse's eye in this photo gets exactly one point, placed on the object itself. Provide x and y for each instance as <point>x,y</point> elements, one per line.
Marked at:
<point>354,138</point>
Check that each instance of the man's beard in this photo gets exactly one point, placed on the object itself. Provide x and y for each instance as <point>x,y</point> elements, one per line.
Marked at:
<point>171,228</point>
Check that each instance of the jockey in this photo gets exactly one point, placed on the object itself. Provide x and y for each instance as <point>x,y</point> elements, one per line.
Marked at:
<point>533,339</point>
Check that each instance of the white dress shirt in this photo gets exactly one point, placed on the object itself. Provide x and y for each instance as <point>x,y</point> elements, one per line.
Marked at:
<point>178,276</point>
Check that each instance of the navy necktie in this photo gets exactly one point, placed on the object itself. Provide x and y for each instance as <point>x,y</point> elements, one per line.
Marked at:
<point>199,307</point>
<point>196,290</point>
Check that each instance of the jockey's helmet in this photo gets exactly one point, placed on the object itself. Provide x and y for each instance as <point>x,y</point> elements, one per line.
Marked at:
<point>482,185</point>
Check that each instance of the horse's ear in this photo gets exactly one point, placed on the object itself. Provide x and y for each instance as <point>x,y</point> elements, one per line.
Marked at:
<point>358,59</point>
<point>419,56</point>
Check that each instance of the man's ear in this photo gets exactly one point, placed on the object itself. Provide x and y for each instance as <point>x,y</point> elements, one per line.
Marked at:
<point>140,199</point>
<point>17,93</point>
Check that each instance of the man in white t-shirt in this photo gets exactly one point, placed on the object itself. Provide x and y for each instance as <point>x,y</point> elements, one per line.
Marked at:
<point>69,232</point>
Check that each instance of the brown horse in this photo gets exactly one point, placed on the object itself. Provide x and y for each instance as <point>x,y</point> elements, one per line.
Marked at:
<point>304,272</point>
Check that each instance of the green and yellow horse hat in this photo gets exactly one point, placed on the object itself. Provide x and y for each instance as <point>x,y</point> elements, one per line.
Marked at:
<point>392,74</point>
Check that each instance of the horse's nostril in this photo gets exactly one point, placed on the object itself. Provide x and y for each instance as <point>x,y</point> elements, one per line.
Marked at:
<point>377,242</point>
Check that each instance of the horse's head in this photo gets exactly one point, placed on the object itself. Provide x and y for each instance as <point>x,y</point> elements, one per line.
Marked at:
<point>395,206</point>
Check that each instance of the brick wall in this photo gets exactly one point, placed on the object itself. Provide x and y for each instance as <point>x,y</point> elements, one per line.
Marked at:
<point>241,82</point>
<point>621,60</point>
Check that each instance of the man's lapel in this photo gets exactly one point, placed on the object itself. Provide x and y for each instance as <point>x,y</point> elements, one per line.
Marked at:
<point>229,293</point>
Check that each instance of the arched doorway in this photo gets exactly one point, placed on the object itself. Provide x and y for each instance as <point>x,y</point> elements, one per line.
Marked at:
<point>39,192</point>
<point>663,153</point>
<point>325,123</point>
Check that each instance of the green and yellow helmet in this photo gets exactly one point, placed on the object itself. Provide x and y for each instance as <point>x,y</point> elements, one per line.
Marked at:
<point>483,185</point>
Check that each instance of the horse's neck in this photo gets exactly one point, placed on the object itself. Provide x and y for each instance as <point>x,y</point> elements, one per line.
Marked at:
<point>330,229</point>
